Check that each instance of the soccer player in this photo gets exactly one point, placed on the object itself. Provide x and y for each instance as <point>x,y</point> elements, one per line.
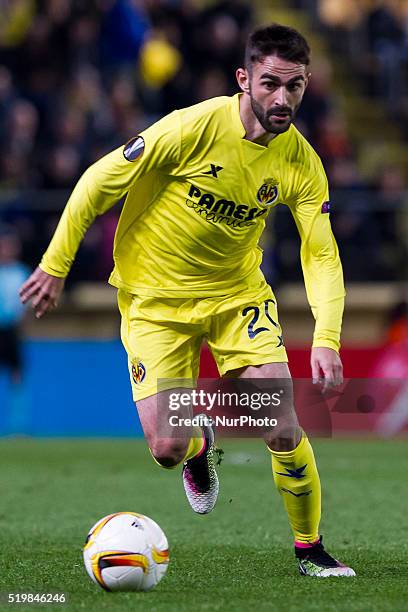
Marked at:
<point>200,183</point>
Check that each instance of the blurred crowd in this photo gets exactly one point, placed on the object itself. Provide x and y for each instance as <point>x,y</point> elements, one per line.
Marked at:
<point>373,34</point>
<point>80,77</point>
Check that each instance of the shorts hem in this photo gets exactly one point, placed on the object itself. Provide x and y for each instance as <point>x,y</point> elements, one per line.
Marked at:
<point>141,395</point>
<point>251,361</point>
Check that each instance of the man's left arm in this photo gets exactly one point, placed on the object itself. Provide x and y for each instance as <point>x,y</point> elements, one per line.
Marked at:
<point>323,277</point>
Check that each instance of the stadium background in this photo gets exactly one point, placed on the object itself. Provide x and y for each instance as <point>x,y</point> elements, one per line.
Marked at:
<point>80,78</point>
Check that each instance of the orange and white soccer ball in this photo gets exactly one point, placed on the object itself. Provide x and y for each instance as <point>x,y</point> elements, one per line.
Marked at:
<point>126,551</point>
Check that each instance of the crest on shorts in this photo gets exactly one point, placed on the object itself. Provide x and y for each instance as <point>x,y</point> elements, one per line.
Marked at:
<point>268,192</point>
<point>138,372</point>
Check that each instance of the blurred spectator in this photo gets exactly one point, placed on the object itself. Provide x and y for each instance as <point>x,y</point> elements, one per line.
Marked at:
<point>397,324</point>
<point>317,102</point>
<point>221,36</point>
<point>213,82</point>
<point>12,274</point>
<point>333,140</point>
<point>159,61</point>
<point>7,95</point>
<point>123,31</point>
<point>384,42</point>
<point>62,167</point>
<point>392,366</point>
<point>345,14</point>
<point>21,129</point>
<point>392,218</point>
<point>16,16</point>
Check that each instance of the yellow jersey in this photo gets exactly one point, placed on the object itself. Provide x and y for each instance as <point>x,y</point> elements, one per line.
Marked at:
<point>197,198</point>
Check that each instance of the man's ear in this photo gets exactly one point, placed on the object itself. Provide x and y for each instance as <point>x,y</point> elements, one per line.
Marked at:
<point>308,77</point>
<point>243,79</point>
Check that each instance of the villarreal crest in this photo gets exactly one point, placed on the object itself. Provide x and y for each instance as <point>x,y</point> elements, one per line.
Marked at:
<point>138,372</point>
<point>268,193</point>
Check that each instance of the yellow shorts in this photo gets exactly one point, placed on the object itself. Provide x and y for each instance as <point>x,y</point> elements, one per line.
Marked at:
<point>163,336</point>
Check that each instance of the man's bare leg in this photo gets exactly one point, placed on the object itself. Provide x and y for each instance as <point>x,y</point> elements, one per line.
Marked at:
<point>192,446</point>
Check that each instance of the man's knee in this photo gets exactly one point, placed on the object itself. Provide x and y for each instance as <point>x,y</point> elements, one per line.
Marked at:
<point>283,438</point>
<point>168,453</point>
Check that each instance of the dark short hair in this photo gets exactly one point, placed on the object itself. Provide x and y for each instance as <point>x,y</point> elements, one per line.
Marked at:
<point>275,39</point>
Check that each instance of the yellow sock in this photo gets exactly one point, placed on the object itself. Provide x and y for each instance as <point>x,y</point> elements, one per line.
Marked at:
<point>195,446</point>
<point>297,479</point>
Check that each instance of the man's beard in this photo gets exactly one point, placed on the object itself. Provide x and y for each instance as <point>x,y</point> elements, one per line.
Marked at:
<point>269,123</point>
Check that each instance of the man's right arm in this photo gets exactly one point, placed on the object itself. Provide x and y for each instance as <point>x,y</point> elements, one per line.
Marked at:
<point>99,188</point>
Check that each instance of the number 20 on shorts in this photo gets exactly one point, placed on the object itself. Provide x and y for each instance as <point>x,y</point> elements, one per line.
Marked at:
<point>254,331</point>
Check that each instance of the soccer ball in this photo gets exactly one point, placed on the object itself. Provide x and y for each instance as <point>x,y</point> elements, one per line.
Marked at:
<point>126,551</point>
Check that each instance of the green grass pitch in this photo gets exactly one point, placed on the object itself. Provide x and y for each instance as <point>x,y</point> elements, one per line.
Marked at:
<point>237,558</point>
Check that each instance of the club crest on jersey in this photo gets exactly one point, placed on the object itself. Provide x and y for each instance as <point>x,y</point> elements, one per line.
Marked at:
<point>268,193</point>
<point>133,149</point>
<point>138,372</point>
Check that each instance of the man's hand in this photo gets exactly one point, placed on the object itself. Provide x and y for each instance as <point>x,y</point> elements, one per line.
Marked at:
<point>45,290</point>
<point>326,361</point>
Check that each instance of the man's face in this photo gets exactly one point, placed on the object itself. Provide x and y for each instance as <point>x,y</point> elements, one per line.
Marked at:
<point>276,88</point>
